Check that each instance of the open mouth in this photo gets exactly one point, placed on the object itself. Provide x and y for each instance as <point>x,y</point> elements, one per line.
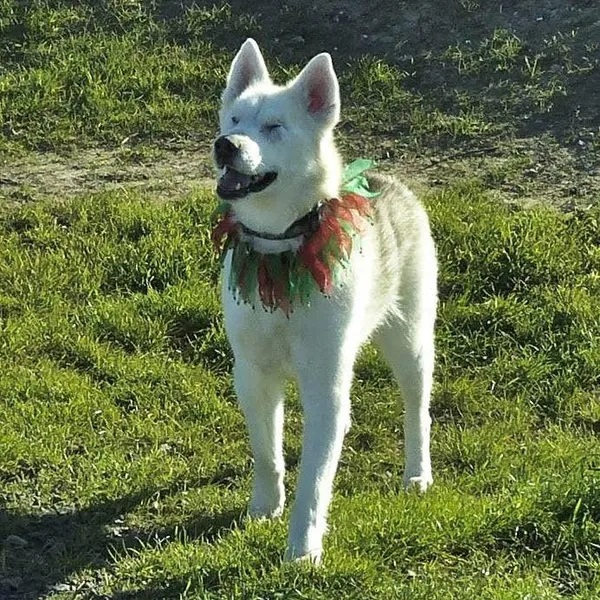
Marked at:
<point>233,184</point>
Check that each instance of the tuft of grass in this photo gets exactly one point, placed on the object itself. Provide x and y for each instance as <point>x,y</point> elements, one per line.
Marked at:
<point>106,72</point>
<point>376,90</point>
<point>124,464</point>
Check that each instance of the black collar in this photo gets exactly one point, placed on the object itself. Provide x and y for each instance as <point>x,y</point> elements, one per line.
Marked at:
<point>305,225</point>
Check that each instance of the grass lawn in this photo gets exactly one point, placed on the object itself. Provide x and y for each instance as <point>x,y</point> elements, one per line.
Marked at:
<point>124,463</point>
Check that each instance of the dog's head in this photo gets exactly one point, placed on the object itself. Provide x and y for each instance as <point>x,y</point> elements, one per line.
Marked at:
<point>275,148</point>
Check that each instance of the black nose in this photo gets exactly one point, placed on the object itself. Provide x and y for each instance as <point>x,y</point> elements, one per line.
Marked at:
<point>225,151</point>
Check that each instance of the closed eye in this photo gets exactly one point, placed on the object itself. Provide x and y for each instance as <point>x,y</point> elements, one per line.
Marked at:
<point>272,127</point>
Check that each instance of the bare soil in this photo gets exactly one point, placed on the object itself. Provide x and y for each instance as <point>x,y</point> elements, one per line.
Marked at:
<point>169,170</point>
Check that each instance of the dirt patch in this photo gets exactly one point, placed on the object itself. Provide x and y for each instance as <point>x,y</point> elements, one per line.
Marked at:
<point>550,156</point>
<point>166,171</point>
<point>527,171</point>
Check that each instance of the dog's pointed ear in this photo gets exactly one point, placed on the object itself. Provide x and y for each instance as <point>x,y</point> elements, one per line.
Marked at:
<point>319,90</point>
<point>248,67</point>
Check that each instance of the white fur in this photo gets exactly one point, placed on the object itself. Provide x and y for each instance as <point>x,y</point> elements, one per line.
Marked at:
<point>388,294</point>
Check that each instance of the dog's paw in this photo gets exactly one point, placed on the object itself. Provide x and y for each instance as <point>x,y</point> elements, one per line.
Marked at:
<point>268,499</point>
<point>298,555</point>
<point>264,511</point>
<point>263,506</point>
<point>420,483</point>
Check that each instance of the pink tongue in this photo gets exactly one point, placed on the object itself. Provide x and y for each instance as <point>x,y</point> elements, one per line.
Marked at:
<point>233,180</point>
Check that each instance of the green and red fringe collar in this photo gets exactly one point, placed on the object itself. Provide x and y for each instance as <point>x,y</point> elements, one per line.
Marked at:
<point>287,279</point>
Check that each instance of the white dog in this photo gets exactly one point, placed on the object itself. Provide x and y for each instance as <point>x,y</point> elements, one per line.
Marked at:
<point>297,308</point>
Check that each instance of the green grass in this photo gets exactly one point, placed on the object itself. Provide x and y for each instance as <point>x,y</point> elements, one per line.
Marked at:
<point>81,73</point>
<point>103,71</point>
<point>124,463</point>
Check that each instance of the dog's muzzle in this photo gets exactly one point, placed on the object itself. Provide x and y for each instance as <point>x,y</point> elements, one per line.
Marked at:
<point>234,184</point>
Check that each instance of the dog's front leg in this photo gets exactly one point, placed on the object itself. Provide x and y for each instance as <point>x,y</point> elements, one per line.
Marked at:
<point>260,395</point>
<point>325,392</point>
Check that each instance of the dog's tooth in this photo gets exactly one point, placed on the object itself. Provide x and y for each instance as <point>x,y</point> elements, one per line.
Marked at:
<point>238,185</point>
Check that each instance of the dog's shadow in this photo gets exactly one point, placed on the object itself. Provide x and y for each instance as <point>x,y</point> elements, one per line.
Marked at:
<point>40,553</point>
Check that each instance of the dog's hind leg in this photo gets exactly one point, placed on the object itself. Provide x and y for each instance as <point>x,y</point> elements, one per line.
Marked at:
<point>409,352</point>
<point>407,341</point>
<point>260,395</point>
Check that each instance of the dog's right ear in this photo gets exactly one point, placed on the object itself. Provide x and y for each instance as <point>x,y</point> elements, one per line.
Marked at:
<point>248,67</point>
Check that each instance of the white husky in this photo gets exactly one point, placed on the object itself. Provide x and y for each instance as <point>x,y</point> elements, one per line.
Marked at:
<point>276,162</point>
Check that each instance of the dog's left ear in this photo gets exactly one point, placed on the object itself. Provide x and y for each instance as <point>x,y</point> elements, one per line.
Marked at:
<point>319,91</point>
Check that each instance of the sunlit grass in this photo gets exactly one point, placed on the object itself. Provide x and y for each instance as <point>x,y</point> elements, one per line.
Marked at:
<point>81,73</point>
<point>124,460</point>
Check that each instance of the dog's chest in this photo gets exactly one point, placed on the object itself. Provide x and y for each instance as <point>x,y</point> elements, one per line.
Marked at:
<point>256,333</point>
<point>271,339</point>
